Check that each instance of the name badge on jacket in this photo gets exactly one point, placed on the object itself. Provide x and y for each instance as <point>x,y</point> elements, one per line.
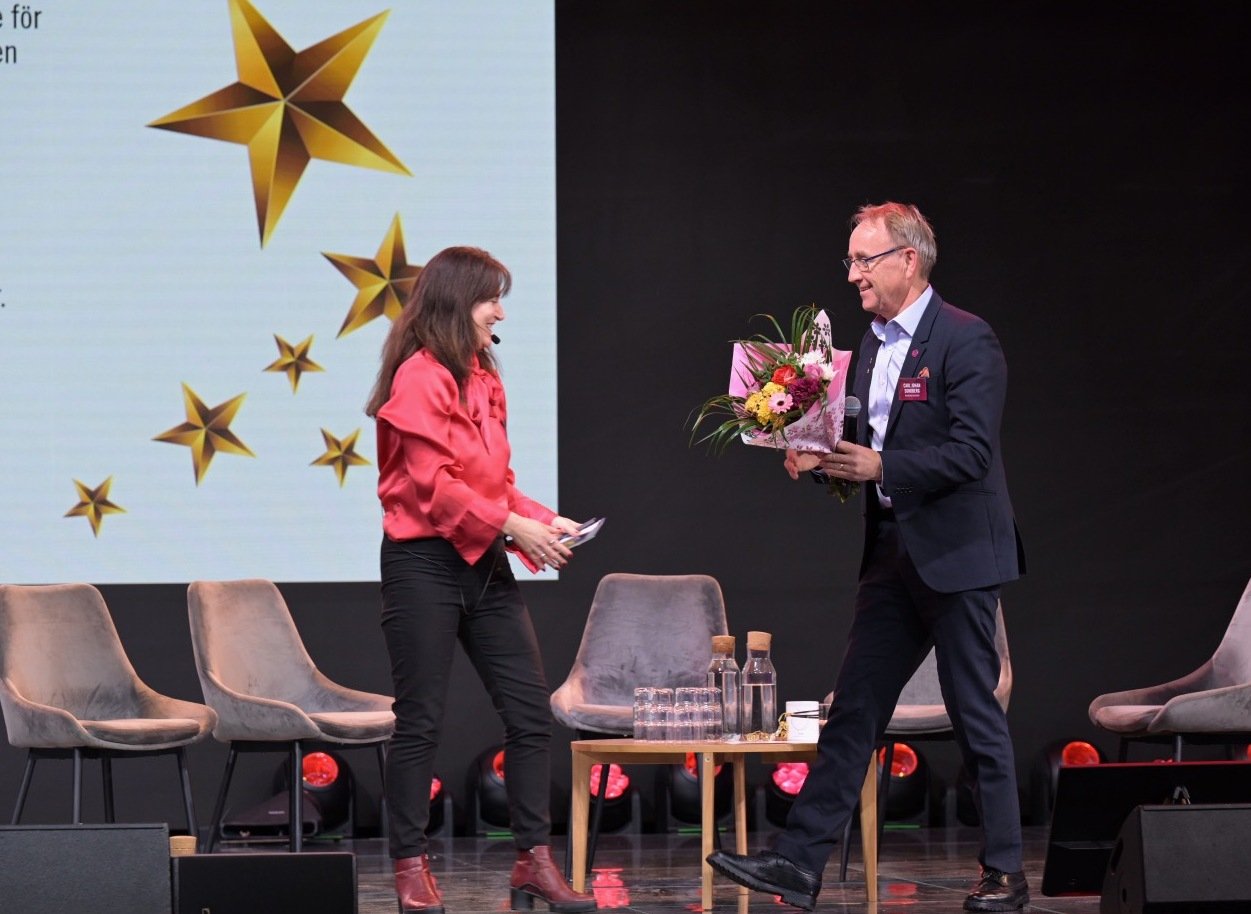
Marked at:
<point>913,389</point>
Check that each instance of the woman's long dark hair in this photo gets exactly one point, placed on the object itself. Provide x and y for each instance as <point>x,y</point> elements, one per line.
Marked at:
<point>438,317</point>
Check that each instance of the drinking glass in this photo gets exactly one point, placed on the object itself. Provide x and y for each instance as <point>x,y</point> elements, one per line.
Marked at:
<point>663,722</point>
<point>686,714</point>
<point>644,713</point>
<point>710,713</point>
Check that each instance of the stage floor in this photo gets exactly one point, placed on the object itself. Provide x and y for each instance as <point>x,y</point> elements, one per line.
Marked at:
<point>923,870</point>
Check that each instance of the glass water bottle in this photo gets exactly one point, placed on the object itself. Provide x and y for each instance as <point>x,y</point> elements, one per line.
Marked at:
<point>723,674</point>
<point>760,689</point>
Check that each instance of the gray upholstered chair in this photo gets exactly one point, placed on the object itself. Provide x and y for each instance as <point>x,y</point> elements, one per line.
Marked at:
<point>921,715</point>
<point>68,690</point>
<point>268,694</point>
<point>1209,705</point>
<point>642,630</point>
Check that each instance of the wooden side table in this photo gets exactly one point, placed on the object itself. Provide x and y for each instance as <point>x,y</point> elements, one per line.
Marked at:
<point>590,752</point>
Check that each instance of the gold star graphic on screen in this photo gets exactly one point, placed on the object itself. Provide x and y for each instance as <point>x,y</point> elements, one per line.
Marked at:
<point>206,431</point>
<point>383,283</point>
<point>93,504</point>
<point>287,108</point>
<point>293,360</point>
<point>340,454</point>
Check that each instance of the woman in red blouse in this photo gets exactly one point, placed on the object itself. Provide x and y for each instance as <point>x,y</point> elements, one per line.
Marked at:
<point>451,512</point>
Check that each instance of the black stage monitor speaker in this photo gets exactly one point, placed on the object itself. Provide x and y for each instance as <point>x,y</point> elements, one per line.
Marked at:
<point>104,869</point>
<point>1180,860</point>
<point>1093,802</point>
<point>265,883</point>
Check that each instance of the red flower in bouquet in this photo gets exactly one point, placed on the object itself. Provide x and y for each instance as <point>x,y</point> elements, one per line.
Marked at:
<point>786,375</point>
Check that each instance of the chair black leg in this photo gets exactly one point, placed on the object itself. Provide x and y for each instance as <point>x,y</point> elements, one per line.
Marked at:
<point>106,772</point>
<point>845,851</point>
<point>193,827</point>
<point>1122,749</point>
<point>883,789</point>
<point>1177,747</point>
<point>296,818</point>
<point>219,809</point>
<point>25,788</point>
<point>383,825</point>
<point>597,814</point>
<point>569,843</point>
<point>78,786</point>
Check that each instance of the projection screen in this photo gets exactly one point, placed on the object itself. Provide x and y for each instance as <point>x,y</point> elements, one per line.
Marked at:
<point>212,209</point>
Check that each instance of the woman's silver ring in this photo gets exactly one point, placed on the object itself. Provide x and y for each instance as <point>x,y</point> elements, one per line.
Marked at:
<point>543,555</point>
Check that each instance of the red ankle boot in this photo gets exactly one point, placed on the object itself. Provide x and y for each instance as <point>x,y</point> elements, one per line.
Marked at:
<point>415,887</point>
<point>536,876</point>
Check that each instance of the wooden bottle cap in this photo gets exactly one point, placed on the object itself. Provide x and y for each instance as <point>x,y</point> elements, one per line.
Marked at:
<point>723,644</point>
<point>759,641</point>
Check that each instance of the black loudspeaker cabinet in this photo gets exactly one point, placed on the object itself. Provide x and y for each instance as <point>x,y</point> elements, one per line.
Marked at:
<point>1180,860</point>
<point>1093,802</point>
<point>104,869</point>
<point>244,882</point>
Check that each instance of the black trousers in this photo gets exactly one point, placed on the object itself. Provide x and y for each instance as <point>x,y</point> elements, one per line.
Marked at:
<point>897,619</point>
<point>432,598</point>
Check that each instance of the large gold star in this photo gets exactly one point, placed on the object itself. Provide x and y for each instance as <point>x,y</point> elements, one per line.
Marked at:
<point>206,431</point>
<point>287,108</point>
<point>293,360</point>
<point>340,454</point>
<point>384,283</point>
<point>93,504</point>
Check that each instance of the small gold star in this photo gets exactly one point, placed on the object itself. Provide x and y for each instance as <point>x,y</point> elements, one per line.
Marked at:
<point>287,108</point>
<point>93,504</point>
<point>206,431</point>
<point>384,283</point>
<point>293,360</point>
<point>340,454</point>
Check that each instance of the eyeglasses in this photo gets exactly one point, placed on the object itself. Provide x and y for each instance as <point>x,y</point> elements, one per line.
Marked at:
<point>863,262</point>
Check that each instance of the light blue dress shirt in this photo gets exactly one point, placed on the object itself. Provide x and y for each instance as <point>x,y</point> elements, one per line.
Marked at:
<point>895,336</point>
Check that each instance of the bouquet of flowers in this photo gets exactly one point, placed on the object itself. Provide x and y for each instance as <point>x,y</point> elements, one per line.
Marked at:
<point>784,393</point>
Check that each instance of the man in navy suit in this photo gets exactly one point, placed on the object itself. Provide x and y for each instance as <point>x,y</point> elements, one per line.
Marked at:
<point>940,540</point>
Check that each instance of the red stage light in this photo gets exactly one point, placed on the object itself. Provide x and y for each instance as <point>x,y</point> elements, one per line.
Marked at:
<point>692,766</point>
<point>789,777</point>
<point>319,770</point>
<point>609,890</point>
<point>436,788</point>
<point>497,764</point>
<point>904,761</point>
<point>901,890</point>
<point>1078,752</point>
<point>618,781</point>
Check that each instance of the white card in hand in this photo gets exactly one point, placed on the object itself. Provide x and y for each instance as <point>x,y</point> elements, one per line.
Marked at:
<point>585,532</point>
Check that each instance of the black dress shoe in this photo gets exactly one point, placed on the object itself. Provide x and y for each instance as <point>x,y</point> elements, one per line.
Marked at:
<point>772,873</point>
<point>997,891</point>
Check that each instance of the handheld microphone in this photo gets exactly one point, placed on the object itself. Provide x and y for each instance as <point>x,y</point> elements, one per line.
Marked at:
<point>851,411</point>
<point>496,340</point>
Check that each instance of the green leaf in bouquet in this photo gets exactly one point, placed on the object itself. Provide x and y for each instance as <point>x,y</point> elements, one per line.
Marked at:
<point>729,429</point>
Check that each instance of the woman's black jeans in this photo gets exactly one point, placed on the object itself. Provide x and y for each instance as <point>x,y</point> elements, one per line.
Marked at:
<point>431,598</point>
